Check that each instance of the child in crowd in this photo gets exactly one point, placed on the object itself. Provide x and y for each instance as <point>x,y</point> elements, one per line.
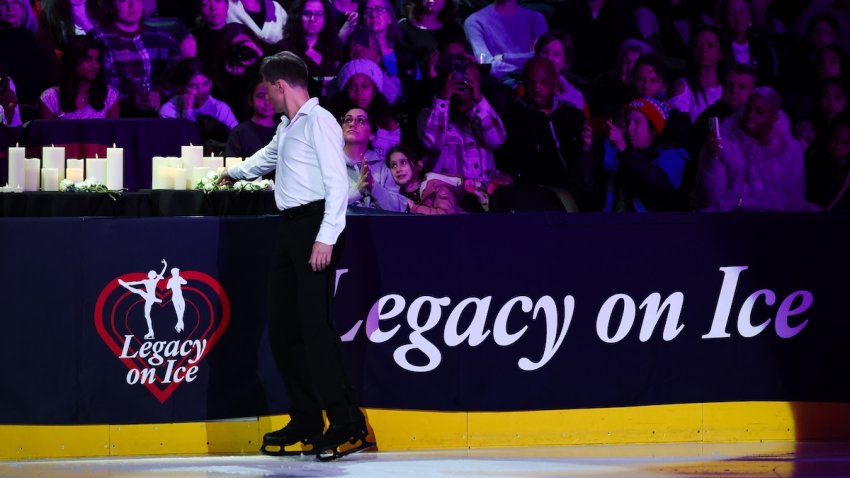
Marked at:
<point>435,194</point>
<point>250,136</point>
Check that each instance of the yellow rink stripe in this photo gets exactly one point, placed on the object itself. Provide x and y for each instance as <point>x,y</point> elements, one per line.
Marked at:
<point>411,430</point>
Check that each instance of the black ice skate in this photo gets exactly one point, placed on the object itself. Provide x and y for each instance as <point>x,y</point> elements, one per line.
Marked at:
<point>275,443</point>
<point>340,441</point>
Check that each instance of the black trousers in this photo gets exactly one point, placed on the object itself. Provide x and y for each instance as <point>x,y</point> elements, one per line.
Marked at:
<point>303,338</point>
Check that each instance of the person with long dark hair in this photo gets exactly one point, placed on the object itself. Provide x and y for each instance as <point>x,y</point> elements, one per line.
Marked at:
<point>311,33</point>
<point>82,92</point>
<point>205,41</point>
<point>701,87</point>
<point>65,19</point>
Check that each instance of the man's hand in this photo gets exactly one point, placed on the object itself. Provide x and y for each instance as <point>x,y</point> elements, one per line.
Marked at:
<point>224,178</point>
<point>321,256</point>
<point>615,135</point>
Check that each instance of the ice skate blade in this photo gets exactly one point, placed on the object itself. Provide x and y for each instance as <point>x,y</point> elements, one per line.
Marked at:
<point>278,450</point>
<point>335,454</point>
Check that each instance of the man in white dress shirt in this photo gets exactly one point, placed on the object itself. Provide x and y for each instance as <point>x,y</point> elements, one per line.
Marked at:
<point>311,190</point>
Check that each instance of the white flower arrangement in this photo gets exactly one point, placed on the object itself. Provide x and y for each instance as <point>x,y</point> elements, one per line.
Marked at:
<point>90,185</point>
<point>212,182</point>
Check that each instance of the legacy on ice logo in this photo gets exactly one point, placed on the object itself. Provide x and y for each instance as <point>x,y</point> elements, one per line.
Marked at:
<point>162,327</point>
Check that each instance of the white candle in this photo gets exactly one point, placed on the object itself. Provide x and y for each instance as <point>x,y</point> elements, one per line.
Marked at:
<point>214,163</point>
<point>158,163</point>
<point>16,166</point>
<point>54,157</point>
<point>228,162</point>
<point>180,179</point>
<point>166,177</point>
<point>76,164</point>
<point>74,174</point>
<point>50,179</point>
<point>114,168</point>
<point>192,155</point>
<point>199,173</point>
<point>32,174</point>
<point>96,168</point>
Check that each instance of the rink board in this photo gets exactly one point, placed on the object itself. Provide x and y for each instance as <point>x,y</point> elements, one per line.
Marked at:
<point>397,430</point>
<point>499,330</point>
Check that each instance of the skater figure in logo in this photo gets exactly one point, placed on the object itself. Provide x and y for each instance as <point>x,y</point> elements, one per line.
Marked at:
<point>174,285</point>
<point>148,293</point>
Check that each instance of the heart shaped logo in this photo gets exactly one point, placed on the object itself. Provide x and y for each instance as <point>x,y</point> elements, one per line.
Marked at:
<point>161,327</point>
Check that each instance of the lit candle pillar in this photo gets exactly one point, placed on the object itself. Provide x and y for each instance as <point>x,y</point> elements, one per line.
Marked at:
<point>193,156</point>
<point>16,166</point>
<point>50,179</point>
<point>74,174</point>
<point>199,173</point>
<point>76,164</point>
<point>228,162</point>
<point>96,168</point>
<point>166,177</point>
<point>180,179</point>
<point>214,162</point>
<point>32,174</point>
<point>54,157</point>
<point>114,168</point>
<point>158,164</point>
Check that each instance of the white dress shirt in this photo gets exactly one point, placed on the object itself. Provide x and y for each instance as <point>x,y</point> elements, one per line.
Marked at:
<point>310,165</point>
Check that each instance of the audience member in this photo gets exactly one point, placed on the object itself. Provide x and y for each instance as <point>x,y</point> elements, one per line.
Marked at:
<point>312,34</point>
<point>236,64</point>
<point>461,131</point>
<point>361,82</point>
<point>613,90</point>
<point>739,84</point>
<point>828,167</point>
<point>701,86</point>
<point>643,174</point>
<point>544,136</point>
<point>370,183</point>
<point>194,102</point>
<point>265,18</point>
<point>600,27</point>
<point>840,12</point>
<point>667,25</point>
<point>379,19</point>
<point>137,59</point>
<point>741,44</point>
<point>27,57</point>
<point>429,23</point>
<point>429,194</point>
<point>250,136</point>
<point>502,35</point>
<point>346,15</point>
<point>206,40</point>
<point>82,92</point>
<point>557,47</point>
<point>65,19</point>
<point>650,79</point>
<point>832,62</point>
<point>10,111</point>
<point>754,163</point>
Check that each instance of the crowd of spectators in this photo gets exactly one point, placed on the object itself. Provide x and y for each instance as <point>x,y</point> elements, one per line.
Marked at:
<point>591,105</point>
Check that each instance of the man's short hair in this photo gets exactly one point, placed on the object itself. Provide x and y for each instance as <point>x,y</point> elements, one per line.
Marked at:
<point>286,66</point>
<point>742,69</point>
